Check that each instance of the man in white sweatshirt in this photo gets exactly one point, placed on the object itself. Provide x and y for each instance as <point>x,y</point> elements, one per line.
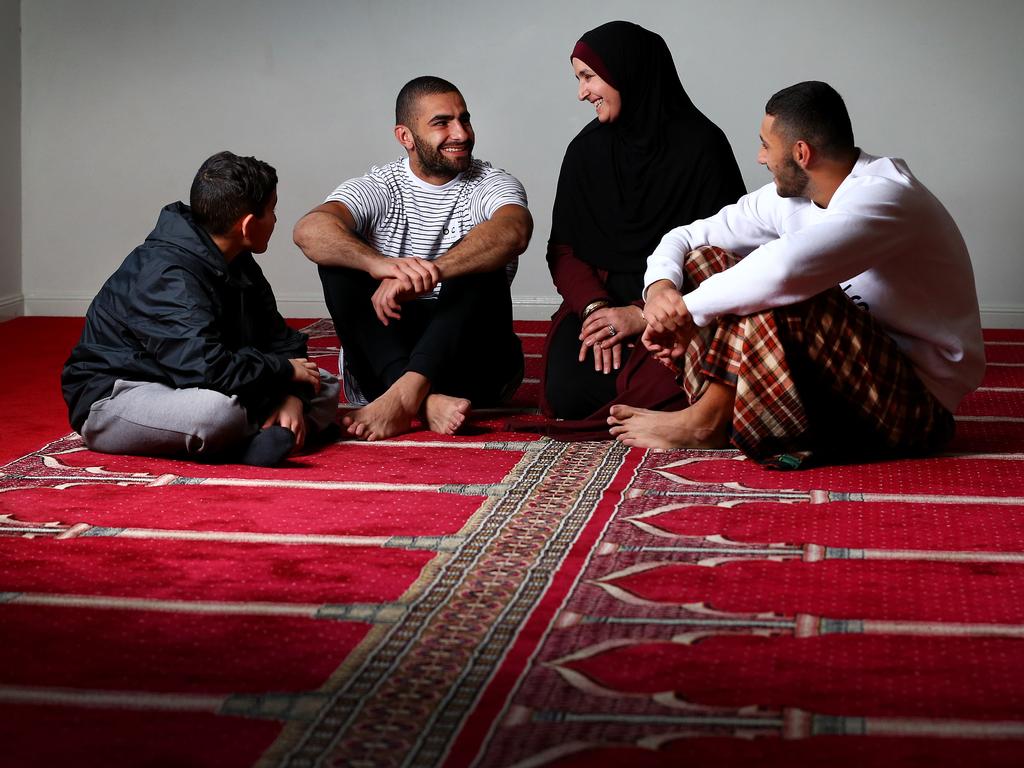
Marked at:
<point>831,313</point>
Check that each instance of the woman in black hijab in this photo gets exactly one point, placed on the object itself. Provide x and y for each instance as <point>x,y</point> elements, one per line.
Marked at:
<point>648,162</point>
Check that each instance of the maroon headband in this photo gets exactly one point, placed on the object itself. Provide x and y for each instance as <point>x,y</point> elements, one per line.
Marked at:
<point>589,56</point>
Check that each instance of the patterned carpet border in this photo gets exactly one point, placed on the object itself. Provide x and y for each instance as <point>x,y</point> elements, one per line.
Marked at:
<point>407,701</point>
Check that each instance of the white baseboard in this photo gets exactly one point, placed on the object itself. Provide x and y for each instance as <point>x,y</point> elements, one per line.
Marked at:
<point>523,308</point>
<point>57,306</point>
<point>302,307</point>
<point>534,307</point>
<point>11,306</point>
<point>1002,316</point>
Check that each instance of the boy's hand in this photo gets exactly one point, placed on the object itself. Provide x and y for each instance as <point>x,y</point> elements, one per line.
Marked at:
<point>305,372</point>
<point>290,415</point>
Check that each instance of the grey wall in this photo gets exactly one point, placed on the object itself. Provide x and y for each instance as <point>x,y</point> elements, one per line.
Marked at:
<point>10,159</point>
<point>124,98</point>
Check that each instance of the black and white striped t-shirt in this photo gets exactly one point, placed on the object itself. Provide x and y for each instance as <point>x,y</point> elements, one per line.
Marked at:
<point>399,214</point>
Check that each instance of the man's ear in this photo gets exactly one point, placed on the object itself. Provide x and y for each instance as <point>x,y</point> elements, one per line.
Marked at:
<point>404,136</point>
<point>803,153</point>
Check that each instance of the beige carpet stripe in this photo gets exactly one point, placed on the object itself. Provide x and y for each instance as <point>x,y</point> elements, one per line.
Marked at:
<point>483,489</point>
<point>177,702</point>
<point>431,543</point>
<point>993,419</point>
<point>383,613</point>
<point>476,445</point>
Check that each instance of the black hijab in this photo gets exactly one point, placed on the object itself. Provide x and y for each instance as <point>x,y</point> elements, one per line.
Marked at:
<point>659,165</point>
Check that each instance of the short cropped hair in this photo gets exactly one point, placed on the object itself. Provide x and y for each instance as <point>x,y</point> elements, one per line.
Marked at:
<point>814,112</point>
<point>428,85</point>
<point>228,187</point>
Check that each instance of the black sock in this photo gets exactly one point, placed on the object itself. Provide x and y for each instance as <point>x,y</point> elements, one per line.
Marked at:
<point>268,447</point>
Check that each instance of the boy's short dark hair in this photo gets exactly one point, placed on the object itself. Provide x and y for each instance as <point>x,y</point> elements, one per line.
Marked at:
<point>427,85</point>
<point>814,112</point>
<point>228,187</point>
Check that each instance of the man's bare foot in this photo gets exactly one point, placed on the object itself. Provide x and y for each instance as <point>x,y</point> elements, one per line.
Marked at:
<point>390,414</point>
<point>705,424</point>
<point>446,414</point>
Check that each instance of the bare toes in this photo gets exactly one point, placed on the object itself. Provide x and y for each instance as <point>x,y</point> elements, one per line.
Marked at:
<point>619,411</point>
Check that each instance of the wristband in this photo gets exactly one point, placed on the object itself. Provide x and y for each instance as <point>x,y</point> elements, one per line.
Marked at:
<point>593,306</point>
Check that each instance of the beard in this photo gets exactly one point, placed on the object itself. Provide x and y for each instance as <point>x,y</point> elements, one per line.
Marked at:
<point>434,161</point>
<point>791,180</point>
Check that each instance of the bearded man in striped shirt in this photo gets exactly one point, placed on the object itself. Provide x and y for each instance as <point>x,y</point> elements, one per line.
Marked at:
<point>416,258</point>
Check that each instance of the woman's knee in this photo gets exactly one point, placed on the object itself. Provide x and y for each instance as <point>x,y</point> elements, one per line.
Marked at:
<point>573,391</point>
<point>563,400</point>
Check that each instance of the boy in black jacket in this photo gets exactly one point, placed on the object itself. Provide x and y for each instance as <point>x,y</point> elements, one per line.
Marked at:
<point>184,352</point>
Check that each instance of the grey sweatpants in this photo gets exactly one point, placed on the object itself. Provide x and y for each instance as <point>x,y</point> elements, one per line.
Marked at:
<point>153,419</point>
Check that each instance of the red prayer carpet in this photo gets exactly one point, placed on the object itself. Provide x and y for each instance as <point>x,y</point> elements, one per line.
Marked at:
<point>498,599</point>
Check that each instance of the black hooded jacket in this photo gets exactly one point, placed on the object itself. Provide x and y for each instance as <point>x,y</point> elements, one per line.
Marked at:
<point>175,312</point>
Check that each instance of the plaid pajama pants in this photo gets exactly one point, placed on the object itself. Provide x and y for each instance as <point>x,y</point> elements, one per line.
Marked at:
<point>818,381</point>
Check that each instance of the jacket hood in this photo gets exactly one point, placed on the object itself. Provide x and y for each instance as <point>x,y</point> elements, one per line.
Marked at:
<point>176,227</point>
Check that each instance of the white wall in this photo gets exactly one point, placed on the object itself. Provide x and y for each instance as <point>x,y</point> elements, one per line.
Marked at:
<point>124,98</point>
<point>10,160</point>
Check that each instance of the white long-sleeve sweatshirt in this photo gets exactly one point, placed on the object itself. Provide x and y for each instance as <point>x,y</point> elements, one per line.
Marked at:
<point>884,238</point>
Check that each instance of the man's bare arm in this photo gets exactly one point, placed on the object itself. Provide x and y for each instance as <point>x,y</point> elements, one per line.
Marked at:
<point>327,236</point>
<point>490,245</point>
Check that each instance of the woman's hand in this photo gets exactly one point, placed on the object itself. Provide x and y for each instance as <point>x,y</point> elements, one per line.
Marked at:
<point>605,331</point>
